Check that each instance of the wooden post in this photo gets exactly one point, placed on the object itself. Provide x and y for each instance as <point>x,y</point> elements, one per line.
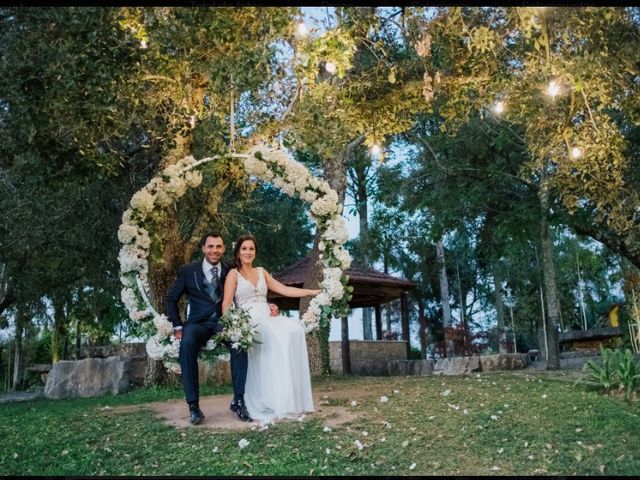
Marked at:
<point>404,312</point>
<point>378,322</point>
<point>346,354</point>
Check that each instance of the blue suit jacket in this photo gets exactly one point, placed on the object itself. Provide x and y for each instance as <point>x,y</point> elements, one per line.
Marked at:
<point>202,308</point>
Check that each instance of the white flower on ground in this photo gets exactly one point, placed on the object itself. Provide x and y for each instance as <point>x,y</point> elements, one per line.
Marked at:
<point>354,403</point>
<point>243,443</point>
<point>494,417</point>
<point>495,468</point>
<point>446,393</point>
<point>301,418</point>
<point>326,429</point>
<point>215,450</point>
<point>455,407</point>
<point>359,444</point>
<point>327,451</point>
<point>412,466</point>
<point>384,399</point>
<point>544,395</point>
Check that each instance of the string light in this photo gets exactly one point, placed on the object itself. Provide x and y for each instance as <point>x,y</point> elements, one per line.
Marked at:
<point>330,67</point>
<point>498,107</point>
<point>553,89</point>
<point>576,152</point>
<point>302,30</point>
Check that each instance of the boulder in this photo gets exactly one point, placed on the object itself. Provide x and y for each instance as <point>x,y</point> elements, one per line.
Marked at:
<point>504,361</point>
<point>457,365</point>
<point>92,377</point>
<point>410,367</point>
<point>216,372</point>
<point>137,349</point>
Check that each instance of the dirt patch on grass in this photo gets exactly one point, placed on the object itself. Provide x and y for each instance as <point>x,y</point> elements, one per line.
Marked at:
<point>332,406</point>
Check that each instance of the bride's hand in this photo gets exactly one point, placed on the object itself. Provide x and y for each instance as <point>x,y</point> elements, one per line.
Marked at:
<point>315,292</point>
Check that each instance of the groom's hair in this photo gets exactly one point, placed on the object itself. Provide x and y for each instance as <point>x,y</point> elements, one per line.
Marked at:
<point>213,234</point>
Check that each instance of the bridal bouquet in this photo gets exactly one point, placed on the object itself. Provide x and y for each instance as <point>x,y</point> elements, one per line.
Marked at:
<point>238,329</point>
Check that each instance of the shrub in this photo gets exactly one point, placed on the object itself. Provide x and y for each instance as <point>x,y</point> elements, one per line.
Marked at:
<point>619,369</point>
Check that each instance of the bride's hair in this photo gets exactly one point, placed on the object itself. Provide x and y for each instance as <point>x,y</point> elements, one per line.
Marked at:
<point>236,248</point>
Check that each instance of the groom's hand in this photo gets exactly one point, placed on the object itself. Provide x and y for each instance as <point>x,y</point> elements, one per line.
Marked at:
<point>177,332</point>
<point>274,309</point>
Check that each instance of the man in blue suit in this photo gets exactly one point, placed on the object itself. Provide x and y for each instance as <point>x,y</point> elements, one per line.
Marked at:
<point>203,284</point>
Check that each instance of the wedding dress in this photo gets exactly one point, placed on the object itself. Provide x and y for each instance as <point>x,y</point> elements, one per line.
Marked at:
<point>278,380</point>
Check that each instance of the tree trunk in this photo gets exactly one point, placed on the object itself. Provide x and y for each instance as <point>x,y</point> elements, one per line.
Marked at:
<point>21,321</point>
<point>423,330</point>
<point>318,341</point>
<point>362,201</point>
<point>447,321</point>
<point>497,289</point>
<point>58,330</point>
<point>550,290</point>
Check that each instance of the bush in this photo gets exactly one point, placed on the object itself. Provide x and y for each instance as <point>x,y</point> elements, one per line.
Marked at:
<point>619,369</point>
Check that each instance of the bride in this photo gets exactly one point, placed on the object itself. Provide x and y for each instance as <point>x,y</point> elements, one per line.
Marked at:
<point>278,381</point>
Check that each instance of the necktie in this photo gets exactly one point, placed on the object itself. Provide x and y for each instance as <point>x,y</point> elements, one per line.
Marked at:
<point>214,282</point>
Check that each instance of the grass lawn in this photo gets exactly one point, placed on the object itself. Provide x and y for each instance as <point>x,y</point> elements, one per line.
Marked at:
<point>493,424</point>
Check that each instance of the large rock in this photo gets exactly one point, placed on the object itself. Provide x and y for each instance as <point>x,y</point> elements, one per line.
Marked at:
<point>504,361</point>
<point>217,372</point>
<point>92,377</point>
<point>137,349</point>
<point>457,365</point>
<point>410,367</point>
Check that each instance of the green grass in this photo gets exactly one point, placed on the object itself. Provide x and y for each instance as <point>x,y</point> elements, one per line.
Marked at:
<point>539,426</point>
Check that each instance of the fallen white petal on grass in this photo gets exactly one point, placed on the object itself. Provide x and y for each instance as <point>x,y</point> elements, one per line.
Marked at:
<point>405,444</point>
<point>364,434</point>
<point>243,443</point>
<point>383,439</point>
<point>327,451</point>
<point>494,417</point>
<point>530,457</point>
<point>215,450</point>
<point>107,407</point>
<point>578,430</point>
<point>353,403</point>
<point>412,466</point>
<point>455,407</point>
<point>326,429</point>
<point>432,417</point>
<point>465,411</point>
<point>359,444</point>
<point>396,391</point>
<point>500,450</point>
<point>301,418</point>
<point>544,395</point>
<point>384,399</point>
<point>446,393</point>
<point>495,468</point>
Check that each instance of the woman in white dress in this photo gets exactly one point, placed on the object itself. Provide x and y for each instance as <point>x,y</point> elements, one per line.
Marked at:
<point>278,381</point>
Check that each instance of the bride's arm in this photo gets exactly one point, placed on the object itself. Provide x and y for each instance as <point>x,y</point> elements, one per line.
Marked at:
<point>229,289</point>
<point>276,286</point>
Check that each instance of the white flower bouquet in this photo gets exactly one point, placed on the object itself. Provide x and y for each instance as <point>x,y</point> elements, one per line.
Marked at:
<point>238,329</point>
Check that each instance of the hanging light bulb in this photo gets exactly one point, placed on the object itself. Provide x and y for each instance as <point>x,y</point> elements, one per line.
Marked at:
<point>376,150</point>
<point>498,107</point>
<point>330,67</point>
<point>576,152</point>
<point>553,89</point>
<point>302,30</point>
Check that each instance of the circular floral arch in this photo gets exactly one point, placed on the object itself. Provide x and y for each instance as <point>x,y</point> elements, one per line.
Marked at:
<point>268,165</point>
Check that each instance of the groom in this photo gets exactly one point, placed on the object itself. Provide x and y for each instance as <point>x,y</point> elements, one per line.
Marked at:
<point>203,284</point>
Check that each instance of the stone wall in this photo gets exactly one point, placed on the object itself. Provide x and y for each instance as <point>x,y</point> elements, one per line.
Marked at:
<point>368,357</point>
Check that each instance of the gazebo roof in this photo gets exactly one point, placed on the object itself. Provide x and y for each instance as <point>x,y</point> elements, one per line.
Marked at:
<point>370,287</point>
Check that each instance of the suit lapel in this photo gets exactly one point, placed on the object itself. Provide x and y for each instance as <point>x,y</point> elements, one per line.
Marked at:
<point>198,275</point>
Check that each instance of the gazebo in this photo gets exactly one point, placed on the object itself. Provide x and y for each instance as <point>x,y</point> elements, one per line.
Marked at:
<point>371,288</point>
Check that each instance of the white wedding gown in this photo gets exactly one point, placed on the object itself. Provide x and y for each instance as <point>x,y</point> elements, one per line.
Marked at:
<point>278,380</point>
